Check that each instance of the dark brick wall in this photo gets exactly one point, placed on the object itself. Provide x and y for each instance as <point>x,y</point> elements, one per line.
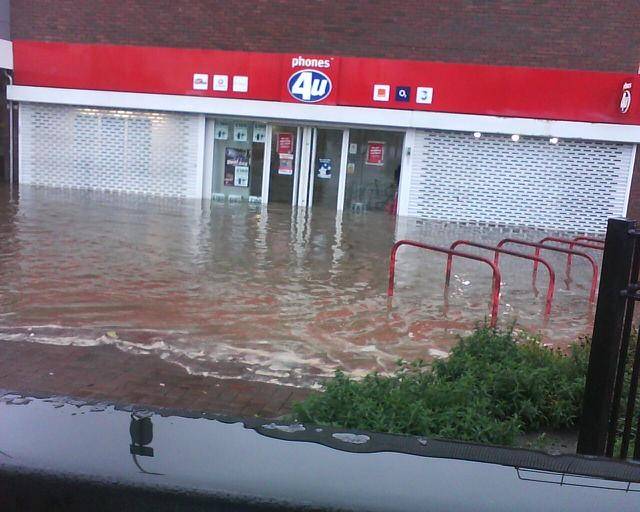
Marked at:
<point>575,34</point>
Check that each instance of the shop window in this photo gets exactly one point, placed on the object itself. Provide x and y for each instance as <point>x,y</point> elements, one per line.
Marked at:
<point>238,158</point>
<point>373,170</point>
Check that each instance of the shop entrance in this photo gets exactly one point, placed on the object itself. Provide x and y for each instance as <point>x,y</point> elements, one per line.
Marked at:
<point>351,169</point>
<point>285,163</point>
<point>320,167</point>
<point>306,165</point>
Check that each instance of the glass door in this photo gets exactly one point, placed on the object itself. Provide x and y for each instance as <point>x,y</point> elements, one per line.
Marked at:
<point>283,173</point>
<point>320,167</point>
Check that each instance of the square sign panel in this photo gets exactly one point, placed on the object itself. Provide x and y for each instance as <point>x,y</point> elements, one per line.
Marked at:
<point>240,83</point>
<point>403,93</point>
<point>200,82</point>
<point>381,92</point>
<point>424,95</point>
<point>220,82</point>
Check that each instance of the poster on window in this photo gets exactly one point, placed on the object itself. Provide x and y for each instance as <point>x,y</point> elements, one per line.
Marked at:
<point>241,178</point>
<point>324,168</point>
<point>375,153</point>
<point>259,133</point>
<point>236,167</point>
<point>285,143</point>
<point>285,167</point>
<point>222,131</point>
<point>240,133</point>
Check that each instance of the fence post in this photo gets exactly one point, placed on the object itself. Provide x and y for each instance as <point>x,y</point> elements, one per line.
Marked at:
<point>607,337</point>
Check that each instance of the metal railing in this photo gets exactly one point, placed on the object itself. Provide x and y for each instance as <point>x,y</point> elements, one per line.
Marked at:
<point>614,365</point>
<point>496,250</point>
<point>588,257</point>
<point>495,289</point>
<point>577,241</point>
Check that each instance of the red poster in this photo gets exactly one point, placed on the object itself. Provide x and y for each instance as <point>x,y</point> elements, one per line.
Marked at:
<point>285,143</point>
<point>375,153</point>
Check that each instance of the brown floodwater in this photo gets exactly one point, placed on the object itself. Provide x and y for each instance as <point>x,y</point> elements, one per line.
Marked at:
<point>242,291</point>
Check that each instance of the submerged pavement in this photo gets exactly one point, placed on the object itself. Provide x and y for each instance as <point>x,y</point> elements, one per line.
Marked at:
<point>238,309</point>
<point>104,373</point>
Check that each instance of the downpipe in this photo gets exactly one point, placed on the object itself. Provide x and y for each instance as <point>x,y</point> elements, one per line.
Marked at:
<point>10,107</point>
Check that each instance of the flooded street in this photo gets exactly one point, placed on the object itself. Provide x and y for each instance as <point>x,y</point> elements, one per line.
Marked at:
<point>256,293</point>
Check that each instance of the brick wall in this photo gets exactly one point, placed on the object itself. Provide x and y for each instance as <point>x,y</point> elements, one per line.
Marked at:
<point>573,34</point>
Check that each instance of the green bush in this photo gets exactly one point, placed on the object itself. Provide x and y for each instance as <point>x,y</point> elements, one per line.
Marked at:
<point>493,386</point>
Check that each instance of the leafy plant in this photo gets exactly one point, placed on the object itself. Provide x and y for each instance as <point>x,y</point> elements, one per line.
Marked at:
<point>494,385</point>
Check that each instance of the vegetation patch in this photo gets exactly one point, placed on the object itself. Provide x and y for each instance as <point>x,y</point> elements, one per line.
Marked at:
<point>495,385</point>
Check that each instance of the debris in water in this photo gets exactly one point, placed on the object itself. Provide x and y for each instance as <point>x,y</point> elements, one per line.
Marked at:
<point>351,438</point>
<point>296,427</point>
<point>440,354</point>
<point>162,384</point>
<point>112,334</point>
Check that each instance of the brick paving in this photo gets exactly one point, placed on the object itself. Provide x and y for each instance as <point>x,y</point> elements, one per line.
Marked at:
<point>107,374</point>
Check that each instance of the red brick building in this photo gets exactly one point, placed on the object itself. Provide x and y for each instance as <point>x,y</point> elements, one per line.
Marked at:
<point>497,112</point>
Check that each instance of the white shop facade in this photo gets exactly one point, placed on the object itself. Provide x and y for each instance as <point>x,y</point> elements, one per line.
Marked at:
<point>408,138</point>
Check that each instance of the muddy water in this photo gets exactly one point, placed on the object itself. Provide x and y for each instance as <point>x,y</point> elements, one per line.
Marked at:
<point>252,292</point>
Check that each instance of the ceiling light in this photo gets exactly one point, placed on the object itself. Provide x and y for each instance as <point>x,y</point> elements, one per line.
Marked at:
<point>515,137</point>
<point>477,135</point>
<point>553,140</point>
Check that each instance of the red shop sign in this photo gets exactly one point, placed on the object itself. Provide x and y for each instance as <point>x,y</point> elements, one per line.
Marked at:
<point>285,143</point>
<point>375,153</point>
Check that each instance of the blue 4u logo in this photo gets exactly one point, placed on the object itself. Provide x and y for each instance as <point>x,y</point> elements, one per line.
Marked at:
<point>309,85</point>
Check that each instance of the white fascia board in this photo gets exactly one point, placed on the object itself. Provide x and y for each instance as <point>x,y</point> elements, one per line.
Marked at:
<point>344,116</point>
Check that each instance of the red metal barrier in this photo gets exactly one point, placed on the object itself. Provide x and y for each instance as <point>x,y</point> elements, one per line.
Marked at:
<point>536,259</point>
<point>571,243</point>
<point>495,289</point>
<point>594,266</point>
<point>589,239</point>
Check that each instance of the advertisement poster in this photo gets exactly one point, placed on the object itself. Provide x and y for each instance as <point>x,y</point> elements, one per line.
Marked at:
<point>324,168</point>
<point>259,133</point>
<point>285,143</point>
<point>375,153</point>
<point>240,133</point>
<point>241,178</point>
<point>286,164</point>
<point>236,167</point>
<point>222,131</point>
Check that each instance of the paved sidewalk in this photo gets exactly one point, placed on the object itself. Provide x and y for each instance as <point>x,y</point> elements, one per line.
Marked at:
<point>106,373</point>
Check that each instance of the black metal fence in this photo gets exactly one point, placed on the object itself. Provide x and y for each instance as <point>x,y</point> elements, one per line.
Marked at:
<point>610,422</point>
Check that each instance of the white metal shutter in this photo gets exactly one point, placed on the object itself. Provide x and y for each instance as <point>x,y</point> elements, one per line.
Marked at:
<point>573,185</point>
<point>105,149</point>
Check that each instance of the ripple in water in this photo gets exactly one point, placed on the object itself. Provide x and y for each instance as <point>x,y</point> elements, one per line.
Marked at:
<point>270,294</point>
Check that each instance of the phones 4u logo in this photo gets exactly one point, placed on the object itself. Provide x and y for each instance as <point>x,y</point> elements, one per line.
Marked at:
<point>309,85</point>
